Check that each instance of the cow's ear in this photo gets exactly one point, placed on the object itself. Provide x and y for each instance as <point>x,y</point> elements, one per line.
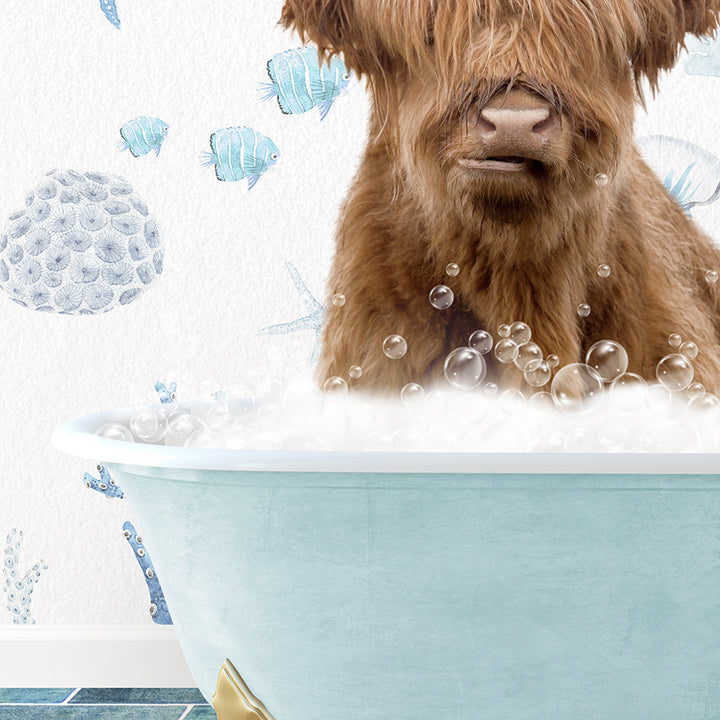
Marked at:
<point>334,27</point>
<point>664,26</point>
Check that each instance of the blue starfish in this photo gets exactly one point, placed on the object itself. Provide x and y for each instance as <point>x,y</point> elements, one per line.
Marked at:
<point>314,320</point>
<point>167,394</point>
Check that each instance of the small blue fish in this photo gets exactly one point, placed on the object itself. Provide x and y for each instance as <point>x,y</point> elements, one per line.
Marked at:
<point>167,394</point>
<point>300,83</point>
<point>108,7</point>
<point>240,152</point>
<point>142,135</point>
<point>105,485</point>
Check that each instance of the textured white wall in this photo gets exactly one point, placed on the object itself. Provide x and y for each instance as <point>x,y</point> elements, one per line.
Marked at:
<point>70,80</point>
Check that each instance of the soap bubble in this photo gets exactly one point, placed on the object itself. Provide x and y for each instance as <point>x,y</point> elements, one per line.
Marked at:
<point>657,397</point>
<point>481,341</point>
<point>237,437</point>
<point>412,395</point>
<point>436,402</point>
<point>603,270</point>
<point>628,391</point>
<point>203,438</point>
<point>302,401</point>
<point>180,424</point>
<point>695,390</point>
<point>674,340</point>
<point>552,360</point>
<point>541,402</point>
<point>612,436</point>
<point>378,441</point>
<point>464,368</point>
<point>537,373</point>
<point>490,389</point>
<point>219,417</point>
<point>576,388</point>
<point>689,350</point>
<point>674,372</point>
<point>452,269</point>
<point>702,403</point>
<point>512,401</point>
<point>583,310</point>
<point>527,353</point>
<point>520,333</point>
<point>608,358</point>
<point>355,372</point>
<point>268,414</point>
<point>506,350</point>
<point>147,425</point>
<point>335,386</point>
<point>394,346</point>
<point>338,300</point>
<point>503,330</point>
<point>115,431</point>
<point>601,179</point>
<point>711,277</point>
<point>441,297</point>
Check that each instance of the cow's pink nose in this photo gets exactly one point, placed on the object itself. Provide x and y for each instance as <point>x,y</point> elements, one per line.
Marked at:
<point>519,121</point>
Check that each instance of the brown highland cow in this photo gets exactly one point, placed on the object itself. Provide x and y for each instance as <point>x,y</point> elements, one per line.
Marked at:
<point>491,120</point>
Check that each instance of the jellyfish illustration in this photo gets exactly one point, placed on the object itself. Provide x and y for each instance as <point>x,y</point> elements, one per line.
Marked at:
<point>689,173</point>
<point>158,606</point>
<point>703,56</point>
<point>314,320</point>
<point>19,588</point>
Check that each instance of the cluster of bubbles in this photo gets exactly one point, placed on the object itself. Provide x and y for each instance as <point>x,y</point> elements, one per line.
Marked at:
<point>593,406</point>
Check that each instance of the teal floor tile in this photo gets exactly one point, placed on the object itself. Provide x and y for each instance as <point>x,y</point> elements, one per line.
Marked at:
<point>34,695</point>
<point>90,712</point>
<point>201,712</point>
<point>138,696</point>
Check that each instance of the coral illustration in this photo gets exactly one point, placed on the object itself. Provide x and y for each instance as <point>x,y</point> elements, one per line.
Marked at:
<point>108,7</point>
<point>167,394</point>
<point>19,589</point>
<point>158,606</point>
<point>83,244</point>
<point>314,320</point>
<point>105,485</point>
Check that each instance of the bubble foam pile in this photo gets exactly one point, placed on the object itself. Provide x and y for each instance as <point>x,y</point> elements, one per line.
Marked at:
<point>83,244</point>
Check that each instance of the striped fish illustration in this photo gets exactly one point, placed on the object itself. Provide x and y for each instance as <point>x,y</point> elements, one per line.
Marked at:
<point>240,152</point>
<point>142,135</point>
<point>301,83</point>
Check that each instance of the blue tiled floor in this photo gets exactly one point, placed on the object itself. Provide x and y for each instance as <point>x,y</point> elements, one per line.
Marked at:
<point>104,704</point>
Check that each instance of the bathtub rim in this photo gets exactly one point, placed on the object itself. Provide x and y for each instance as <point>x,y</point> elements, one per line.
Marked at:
<point>77,437</point>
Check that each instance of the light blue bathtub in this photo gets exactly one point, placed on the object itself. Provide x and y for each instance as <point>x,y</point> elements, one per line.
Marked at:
<point>436,587</point>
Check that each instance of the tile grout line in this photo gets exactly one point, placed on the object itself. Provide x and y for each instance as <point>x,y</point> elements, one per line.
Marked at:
<point>70,696</point>
<point>186,712</point>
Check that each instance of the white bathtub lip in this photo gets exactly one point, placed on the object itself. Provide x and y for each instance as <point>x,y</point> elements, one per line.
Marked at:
<point>77,437</point>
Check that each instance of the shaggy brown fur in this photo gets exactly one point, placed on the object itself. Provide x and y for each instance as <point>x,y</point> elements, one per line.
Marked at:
<point>528,243</point>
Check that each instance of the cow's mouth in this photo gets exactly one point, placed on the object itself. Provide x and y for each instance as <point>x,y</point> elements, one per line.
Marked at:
<point>502,163</point>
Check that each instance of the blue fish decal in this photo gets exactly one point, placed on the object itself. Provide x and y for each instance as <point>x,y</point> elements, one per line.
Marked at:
<point>158,606</point>
<point>167,394</point>
<point>240,152</point>
<point>142,135</point>
<point>108,7</point>
<point>300,82</point>
<point>105,485</point>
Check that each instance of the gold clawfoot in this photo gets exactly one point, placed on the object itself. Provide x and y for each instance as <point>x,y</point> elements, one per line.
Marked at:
<point>233,700</point>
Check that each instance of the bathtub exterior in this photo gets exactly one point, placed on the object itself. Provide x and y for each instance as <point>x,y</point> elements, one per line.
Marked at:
<point>425,596</point>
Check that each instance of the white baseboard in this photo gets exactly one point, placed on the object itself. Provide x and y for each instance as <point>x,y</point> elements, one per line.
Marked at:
<point>46,656</point>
